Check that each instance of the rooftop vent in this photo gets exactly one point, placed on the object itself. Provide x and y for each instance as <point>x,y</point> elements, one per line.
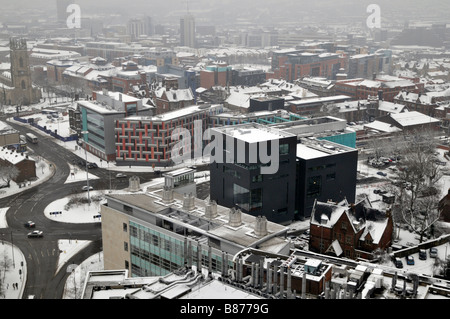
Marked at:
<point>135,184</point>
<point>210,209</point>
<point>188,202</point>
<point>235,217</point>
<point>261,226</point>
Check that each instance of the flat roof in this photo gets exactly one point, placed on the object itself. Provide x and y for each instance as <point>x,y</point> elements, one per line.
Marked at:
<point>253,132</point>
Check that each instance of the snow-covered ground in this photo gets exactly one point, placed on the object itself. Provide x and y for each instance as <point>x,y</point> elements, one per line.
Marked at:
<point>84,213</point>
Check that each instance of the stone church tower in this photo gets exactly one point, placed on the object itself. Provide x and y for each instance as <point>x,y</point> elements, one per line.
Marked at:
<point>20,69</point>
<point>17,88</point>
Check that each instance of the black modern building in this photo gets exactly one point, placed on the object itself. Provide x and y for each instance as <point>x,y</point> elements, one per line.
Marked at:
<point>266,103</point>
<point>325,171</point>
<point>241,178</point>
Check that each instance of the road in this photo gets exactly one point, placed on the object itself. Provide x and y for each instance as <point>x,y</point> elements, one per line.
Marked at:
<point>43,280</point>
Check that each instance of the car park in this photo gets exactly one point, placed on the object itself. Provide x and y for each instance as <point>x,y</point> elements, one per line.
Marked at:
<point>410,260</point>
<point>422,254</point>
<point>30,224</point>
<point>433,252</point>
<point>36,234</point>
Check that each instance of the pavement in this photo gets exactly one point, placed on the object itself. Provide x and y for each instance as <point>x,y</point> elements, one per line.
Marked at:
<point>14,279</point>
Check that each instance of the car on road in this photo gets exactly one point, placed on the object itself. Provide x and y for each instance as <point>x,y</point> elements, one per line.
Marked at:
<point>121,175</point>
<point>36,234</point>
<point>382,173</point>
<point>433,252</point>
<point>85,188</point>
<point>410,260</point>
<point>92,165</point>
<point>30,224</point>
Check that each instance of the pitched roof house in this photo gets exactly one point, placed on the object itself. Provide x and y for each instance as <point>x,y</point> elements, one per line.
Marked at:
<point>350,230</point>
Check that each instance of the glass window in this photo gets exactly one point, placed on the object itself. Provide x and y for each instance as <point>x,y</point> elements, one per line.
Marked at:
<point>314,186</point>
<point>284,149</point>
<point>241,196</point>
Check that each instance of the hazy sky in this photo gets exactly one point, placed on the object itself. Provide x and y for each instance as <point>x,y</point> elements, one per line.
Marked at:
<point>264,11</point>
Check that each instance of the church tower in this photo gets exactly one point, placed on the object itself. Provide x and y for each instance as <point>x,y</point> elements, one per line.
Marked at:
<point>20,70</point>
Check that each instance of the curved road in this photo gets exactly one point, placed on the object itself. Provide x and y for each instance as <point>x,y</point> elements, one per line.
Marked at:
<point>41,254</point>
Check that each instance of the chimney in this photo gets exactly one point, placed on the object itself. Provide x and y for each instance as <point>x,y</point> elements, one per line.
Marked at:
<point>234,217</point>
<point>261,226</point>
<point>188,202</point>
<point>211,209</point>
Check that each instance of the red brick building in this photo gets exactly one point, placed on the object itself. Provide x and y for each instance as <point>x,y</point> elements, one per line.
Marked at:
<point>218,74</point>
<point>25,165</point>
<point>291,66</point>
<point>167,100</point>
<point>353,231</point>
<point>385,88</point>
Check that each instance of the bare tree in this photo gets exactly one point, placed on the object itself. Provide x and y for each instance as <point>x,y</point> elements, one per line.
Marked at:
<point>417,197</point>
<point>8,172</point>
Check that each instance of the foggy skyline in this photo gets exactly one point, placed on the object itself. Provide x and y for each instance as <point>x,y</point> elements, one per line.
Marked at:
<point>263,12</point>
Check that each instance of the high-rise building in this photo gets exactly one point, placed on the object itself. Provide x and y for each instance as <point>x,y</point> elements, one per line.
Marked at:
<point>136,28</point>
<point>187,31</point>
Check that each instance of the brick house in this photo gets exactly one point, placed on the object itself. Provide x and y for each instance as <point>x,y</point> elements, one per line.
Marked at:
<point>25,165</point>
<point>444,207</point>
<point>172,99</point>
<point>354,231</point>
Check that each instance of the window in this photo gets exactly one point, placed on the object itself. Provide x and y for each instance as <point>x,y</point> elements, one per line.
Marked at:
<point>125,227</point>
<point>284,149</point>
<point>127,208</point>
<point>127,264</point>
<point>241,196</point>
<point>257,178</point>
<point>331,177</point>
<point>348,239</point>
<point>125,246</point>
<point>343,225</point>
<point>314,186</point>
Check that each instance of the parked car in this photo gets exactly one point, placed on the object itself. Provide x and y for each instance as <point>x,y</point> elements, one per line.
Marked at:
<point>433,252</point>
<point>85,188</point>
<point>36,234</point>
<point>121,175</point>
<point>410,260</point>
<point>382,173</point>
<point>422,254</point>
<point>30,224</point>
<point>398,263</point>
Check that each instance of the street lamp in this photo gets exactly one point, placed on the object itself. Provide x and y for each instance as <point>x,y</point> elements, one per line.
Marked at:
<point>87,173</point>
